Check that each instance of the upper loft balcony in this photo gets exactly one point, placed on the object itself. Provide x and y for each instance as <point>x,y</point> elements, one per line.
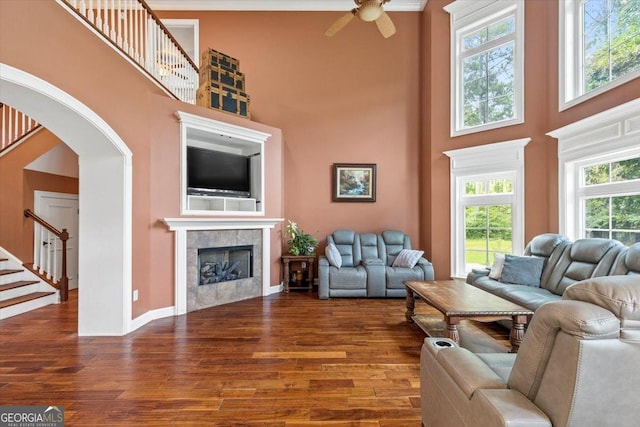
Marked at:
<point>136,32</point>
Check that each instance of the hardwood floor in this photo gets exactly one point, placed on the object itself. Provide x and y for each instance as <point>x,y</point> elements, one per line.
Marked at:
<point>284,360</point>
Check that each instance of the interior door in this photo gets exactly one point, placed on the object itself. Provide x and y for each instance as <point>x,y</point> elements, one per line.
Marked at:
<point>61,211</point>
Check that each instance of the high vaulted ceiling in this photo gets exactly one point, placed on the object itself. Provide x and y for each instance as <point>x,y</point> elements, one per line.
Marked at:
<point>299,5</point>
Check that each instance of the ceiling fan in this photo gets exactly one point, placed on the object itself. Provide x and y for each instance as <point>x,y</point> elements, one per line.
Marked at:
<point>367,10</point>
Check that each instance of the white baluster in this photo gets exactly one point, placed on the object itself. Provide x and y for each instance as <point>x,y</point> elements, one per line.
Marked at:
<point>49,245</point>
<point>4,126</point>
<point>120,19</point>
<point>113,21</point>
<point>98,14</point>
<point>10,125</point>
<point>83,8</point>
<point>131,26</point>
<point>136,47</point>
<point>41,258</point>
<point>54,273</point>
<point>90,14</point>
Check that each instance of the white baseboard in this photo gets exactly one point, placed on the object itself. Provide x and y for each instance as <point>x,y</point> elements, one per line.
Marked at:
<point>147,317</point>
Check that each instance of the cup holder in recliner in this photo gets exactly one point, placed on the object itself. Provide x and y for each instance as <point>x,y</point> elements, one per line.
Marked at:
<point>443,344</point>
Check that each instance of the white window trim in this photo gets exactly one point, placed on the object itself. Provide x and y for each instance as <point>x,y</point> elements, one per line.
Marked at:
<point>466,17</point>
<point>500,158</point>
<point>610,134</point>
<point>570,46</point>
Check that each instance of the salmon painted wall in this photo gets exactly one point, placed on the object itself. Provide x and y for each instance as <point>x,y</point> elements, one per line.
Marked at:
<point>352,98</point>
<point>541,116</point>
<point>49,43</point>
<point>16,192</point>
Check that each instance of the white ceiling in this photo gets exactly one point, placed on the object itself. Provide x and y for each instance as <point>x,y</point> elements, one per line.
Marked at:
<point>299,5</point>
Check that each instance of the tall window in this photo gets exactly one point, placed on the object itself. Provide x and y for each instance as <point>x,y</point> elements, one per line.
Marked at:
<point>488,219</point>
<point>609,196</point>
<point>600,46</point>
<point>487,204</point>
<point>487,56</point>
<point>599,160</point>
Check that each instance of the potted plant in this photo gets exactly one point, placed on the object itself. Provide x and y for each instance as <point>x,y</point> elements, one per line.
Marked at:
<point>300,243</point>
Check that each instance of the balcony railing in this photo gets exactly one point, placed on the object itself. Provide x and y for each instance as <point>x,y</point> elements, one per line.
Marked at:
<point>14,126</point>
<point>133,28</point>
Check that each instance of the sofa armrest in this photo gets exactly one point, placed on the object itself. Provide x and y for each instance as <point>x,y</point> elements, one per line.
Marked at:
<point>476,273</point>
<point>323,277</point>
<point>376,278</point>
<point>468,371</point>
<point>508,408</point>
<point>427,268</point>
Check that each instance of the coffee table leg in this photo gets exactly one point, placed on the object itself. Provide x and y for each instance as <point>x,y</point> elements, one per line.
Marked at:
<point>452,328</point>
<point>410,303</point>
<point>517,332</point>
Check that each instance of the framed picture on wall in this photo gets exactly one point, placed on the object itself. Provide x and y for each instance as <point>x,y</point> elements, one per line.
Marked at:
<point>354,182</point>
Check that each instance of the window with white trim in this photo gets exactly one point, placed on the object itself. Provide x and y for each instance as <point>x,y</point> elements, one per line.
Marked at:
<point>487,204</point>
<point>599,175</point>
<point>487,56</point>
<point>608,196</point>
<point>599,47</point>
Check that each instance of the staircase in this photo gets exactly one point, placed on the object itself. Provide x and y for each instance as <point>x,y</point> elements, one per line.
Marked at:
<point>21,290</point>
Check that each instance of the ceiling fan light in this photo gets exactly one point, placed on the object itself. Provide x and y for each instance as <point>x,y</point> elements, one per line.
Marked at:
<point>370,10</point>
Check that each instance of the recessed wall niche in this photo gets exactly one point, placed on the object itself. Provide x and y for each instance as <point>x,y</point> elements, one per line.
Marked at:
<point>222,167</point>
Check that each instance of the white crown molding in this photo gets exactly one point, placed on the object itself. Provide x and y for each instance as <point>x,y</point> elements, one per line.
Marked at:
<point>280,5</point>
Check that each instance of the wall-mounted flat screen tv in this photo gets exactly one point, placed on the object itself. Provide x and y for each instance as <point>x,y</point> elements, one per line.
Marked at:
<point>217,173</point>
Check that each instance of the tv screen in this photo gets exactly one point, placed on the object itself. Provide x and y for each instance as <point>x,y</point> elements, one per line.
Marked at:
<point>218,172</point>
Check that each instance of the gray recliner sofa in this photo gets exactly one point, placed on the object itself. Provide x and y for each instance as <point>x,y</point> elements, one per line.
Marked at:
<point>565,263</point>
<point>367,266</point>
<point>577,367</point>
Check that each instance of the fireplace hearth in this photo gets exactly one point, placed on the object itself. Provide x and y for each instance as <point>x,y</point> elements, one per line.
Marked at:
<point>225,264</point>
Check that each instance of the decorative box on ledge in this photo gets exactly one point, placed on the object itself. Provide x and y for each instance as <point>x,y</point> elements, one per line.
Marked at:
<point>222,84</point>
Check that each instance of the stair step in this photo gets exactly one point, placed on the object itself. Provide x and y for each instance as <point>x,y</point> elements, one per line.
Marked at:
<point>17,284</point>
<point>9,271</point>
<point>24,298</point>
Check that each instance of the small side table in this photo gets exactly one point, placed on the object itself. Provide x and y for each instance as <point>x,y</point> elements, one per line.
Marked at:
<point>306,263</point>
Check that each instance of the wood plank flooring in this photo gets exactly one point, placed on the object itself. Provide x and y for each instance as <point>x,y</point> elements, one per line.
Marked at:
<point>284,360</point>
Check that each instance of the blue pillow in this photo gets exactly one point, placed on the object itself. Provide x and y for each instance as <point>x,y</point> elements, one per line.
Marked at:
<point>522,270</point>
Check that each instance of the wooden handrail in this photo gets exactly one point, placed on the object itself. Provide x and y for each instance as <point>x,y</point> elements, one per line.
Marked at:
<point>63,236</point>
<point>168,33</point>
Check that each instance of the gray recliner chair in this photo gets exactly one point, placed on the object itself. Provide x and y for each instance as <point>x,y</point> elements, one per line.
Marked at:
<point>578,366</point>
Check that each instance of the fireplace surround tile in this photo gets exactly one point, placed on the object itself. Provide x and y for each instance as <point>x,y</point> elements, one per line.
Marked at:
<point>199,297</point>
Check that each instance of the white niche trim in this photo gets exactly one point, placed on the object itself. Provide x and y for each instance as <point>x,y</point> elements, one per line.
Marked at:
<point>214,135</point>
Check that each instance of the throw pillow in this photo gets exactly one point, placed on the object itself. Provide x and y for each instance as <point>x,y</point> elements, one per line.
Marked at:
<point>522,270</point>
<point>333,255</point>
<point>407,258</point>
<point>496,268</point>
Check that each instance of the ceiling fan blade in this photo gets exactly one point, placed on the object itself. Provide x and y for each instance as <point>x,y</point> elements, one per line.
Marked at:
<point>385,25</point>
<point>340,23</point>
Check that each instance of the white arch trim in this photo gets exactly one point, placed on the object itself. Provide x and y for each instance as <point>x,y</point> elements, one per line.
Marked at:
<point>105,218</point>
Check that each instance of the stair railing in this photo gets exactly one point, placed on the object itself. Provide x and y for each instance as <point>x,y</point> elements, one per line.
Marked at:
<point>134,29</point>
<point>14,126</point>
<point>46,256</point>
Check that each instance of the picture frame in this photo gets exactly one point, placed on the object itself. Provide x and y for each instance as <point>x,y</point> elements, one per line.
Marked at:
<point>354,182</point>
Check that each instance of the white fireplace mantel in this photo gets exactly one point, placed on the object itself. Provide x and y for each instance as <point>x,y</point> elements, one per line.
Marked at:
<point>181,225</point>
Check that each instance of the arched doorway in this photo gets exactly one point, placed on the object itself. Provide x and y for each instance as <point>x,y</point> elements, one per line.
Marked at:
<point>105,218</point>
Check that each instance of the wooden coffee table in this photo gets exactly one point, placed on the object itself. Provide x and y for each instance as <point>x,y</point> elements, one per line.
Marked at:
<point>457,300</point>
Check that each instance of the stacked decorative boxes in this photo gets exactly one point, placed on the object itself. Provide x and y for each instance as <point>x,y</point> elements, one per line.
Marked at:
<point>222,84</point>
